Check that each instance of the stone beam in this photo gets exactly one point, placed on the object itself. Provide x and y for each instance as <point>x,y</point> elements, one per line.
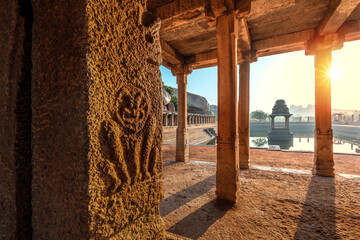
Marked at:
<point>169,54</point>
<point>201,60</point>
<point>351,30</point>
<point>271,46</point>
<point>179,7</point>
<point>336,15</point>
<point>244,39</point>
<point>276,45</point>
<point>283,43</point>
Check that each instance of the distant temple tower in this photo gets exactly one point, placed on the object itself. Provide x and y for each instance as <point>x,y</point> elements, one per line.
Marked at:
<point>280,133</point>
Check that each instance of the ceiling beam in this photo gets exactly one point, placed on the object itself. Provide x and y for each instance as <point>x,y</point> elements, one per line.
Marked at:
<point>178,7</point>
<point>202,60</point>
<point>271,46</point>
<point>275,45</point>
<point>170,55</point>
<point>338,12</point>
<point>244,40</point>
<point>283,43</point>
<point>351,30</point>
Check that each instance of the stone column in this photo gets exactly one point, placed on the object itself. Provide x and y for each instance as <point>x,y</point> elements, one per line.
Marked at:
<point>287,121</point>
<point>324,162</point>
<point>171,120</point>
<point>166,120</point>
<point>272,122</point>
<point>96,137</point>
<point>227,168</point>
<point>182,137</point>
<point>244,124</point>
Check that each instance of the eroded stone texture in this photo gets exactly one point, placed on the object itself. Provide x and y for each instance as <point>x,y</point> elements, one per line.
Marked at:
<point>97,121</point>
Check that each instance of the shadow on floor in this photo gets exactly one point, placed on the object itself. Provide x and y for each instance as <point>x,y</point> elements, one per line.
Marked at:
<point>178,199</point>
<point>317,219</point>
<point>195,224</point>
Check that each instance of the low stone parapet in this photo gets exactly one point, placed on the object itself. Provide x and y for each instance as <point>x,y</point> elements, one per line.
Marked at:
<point>170,119</point>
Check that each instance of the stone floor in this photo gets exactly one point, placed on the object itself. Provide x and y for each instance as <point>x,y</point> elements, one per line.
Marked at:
<point>273,204</point>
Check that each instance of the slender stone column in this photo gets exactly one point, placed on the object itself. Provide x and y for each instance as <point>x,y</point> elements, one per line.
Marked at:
<point>287,122</point>
<point>165,120</point>
<point>324,162</point>
<point>272,122</point>
<point>227,168</point>
<point>244,124</point>
<point>182,135</point>
<point>172,120</point>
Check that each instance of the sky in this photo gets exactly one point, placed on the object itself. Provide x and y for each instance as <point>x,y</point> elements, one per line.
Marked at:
<point>289,76</point>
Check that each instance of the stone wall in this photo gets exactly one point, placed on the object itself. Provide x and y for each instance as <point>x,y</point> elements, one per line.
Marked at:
<point>81,120</point>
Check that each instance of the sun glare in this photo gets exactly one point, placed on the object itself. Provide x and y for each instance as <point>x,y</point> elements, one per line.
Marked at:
<point>335,73</point>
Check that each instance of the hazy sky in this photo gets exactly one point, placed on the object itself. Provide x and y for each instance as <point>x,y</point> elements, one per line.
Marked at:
<point>289,76</point>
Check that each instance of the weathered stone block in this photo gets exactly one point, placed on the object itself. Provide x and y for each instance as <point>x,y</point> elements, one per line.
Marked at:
<point>97,121</point>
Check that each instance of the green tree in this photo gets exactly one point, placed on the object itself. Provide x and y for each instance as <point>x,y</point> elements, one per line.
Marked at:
<point>259,115</point>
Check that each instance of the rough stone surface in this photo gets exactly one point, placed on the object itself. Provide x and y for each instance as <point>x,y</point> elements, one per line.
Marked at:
<point>15,122</point>
<point>97,121</point>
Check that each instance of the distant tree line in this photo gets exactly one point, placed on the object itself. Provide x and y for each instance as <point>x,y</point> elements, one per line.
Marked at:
<point>259,115</point>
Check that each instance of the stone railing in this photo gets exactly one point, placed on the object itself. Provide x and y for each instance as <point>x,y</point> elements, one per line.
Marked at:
<point>170,119</point>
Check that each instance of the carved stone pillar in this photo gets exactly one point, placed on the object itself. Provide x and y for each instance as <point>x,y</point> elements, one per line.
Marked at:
<point>96,123</point>
<point>324,162</point>
<point>182,137</point>
<point>227,168</point>
<point>244,111</point>
<point>322,47</point>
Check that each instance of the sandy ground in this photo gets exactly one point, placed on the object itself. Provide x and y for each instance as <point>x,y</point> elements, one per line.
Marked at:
<point>344,163</point>
<point>272,205</point>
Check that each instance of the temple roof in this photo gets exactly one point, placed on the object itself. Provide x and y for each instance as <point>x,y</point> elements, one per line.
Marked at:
<point>280,109</point>
<point>188,29</point>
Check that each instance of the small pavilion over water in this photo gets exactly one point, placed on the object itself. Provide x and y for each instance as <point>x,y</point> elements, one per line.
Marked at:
<point>280,109</point>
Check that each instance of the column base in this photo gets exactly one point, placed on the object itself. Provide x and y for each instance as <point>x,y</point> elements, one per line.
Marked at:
<point>182,145</point>
<point>227,172</point>
<point>324,172</point>
<point>245,165</point>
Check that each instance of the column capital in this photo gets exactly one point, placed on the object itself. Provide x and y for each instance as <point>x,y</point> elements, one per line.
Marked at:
<point>181,69</point>
<point>217,8</point>
<point>333,41</point>
<point>247,56</point>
